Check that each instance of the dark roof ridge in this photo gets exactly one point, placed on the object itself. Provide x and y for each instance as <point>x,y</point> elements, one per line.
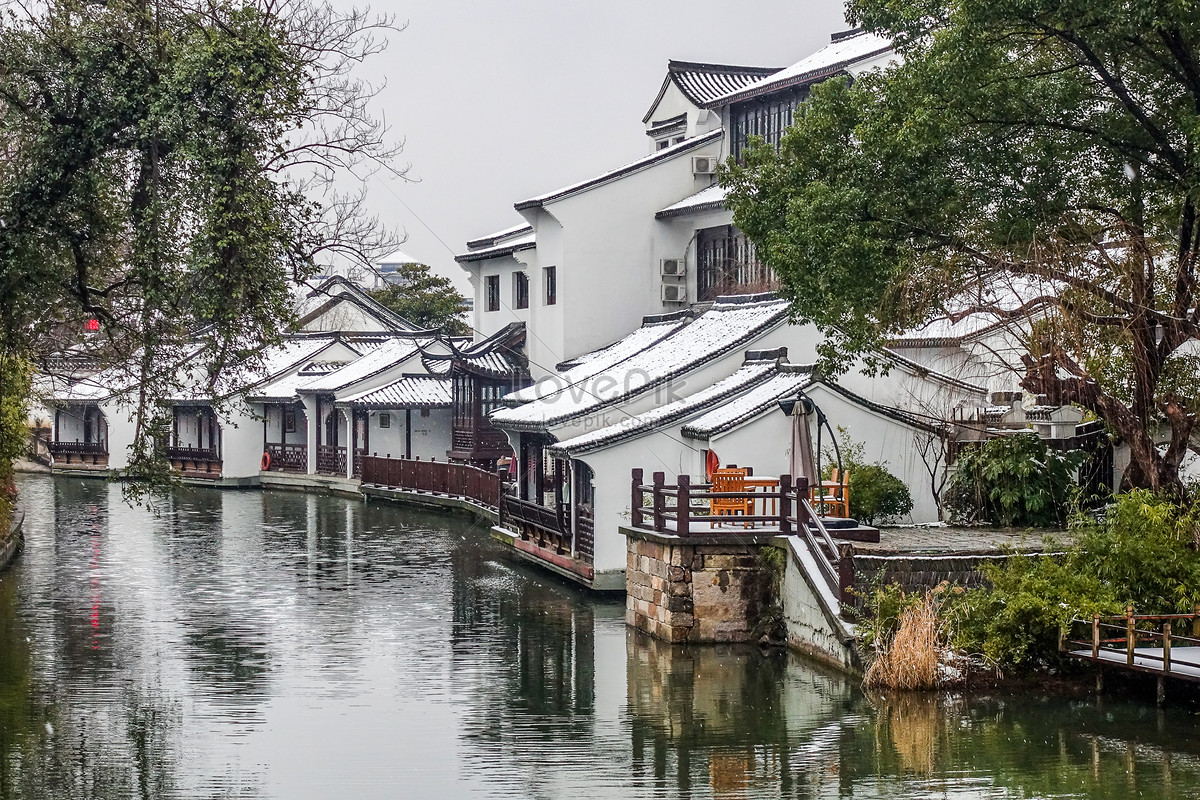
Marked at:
<point>665,154</point>
<point>675,65</point>
<point>494,238</point>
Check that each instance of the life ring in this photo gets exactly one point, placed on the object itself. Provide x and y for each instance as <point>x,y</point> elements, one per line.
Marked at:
<point>266,461</point>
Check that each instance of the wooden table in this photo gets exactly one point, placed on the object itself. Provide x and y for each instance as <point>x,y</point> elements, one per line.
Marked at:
<point>766,485</point>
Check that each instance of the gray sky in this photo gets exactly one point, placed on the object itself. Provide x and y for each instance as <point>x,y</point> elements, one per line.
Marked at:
<point>500,101</point>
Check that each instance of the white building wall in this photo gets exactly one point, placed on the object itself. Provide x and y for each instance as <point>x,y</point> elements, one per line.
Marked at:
<point>241,440</point>
<point>345,316</point>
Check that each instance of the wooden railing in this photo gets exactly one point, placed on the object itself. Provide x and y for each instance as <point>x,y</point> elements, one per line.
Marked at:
<point>331,460</point>
<point>288,457</point>
<point>1142,642</point>
<point>685,509</point>
<point>435,477</point>
<point>358,457</point>
<point>79,454</point>
<point>77,448</point>
<point>197,454</point>
<point>536,523</point>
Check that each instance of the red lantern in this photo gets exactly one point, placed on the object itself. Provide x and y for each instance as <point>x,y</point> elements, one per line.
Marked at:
<point>93,325</point>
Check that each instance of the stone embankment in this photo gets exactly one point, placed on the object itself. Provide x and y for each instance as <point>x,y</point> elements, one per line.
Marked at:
<point>11,545</point>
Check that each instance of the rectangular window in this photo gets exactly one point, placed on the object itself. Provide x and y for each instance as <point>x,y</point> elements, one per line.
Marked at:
<point>385,420</point>
<point>289,421</point>
<point>493,292</point>
<point>550,279</point>
<point>520,290</point>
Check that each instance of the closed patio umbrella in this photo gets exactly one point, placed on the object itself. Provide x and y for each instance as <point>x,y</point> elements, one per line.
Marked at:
<point>802,462</point>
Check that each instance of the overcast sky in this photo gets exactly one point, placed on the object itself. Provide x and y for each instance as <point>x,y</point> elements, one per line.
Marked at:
<point>502,100</point>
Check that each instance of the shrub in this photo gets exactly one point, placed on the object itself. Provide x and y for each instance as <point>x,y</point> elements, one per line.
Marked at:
<point>1015,481</point>
<point>1141,554</point>
<point>876,493</point>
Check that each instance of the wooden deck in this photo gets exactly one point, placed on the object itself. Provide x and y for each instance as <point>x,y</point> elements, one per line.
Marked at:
<point>1163,645</point>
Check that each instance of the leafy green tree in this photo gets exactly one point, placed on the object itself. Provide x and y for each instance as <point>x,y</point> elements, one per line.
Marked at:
<point>167,170</point>
<point>876,493</point>
<point>1050,147</point>
<point>425,299</point>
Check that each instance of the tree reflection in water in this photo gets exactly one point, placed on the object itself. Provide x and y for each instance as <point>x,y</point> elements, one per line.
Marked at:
<point>259,644</point>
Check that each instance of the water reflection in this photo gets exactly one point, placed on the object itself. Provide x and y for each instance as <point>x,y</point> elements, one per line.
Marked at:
<point>273,645</point>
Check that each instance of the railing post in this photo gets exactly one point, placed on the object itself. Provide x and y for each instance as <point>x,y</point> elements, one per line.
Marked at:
<point>1167,647</point>
<point>660,479</point>
<point>1196,622</point>
<point>1130,642</point>
<point>801,509</point>
<point>683,505</point>
<point>1096,636</point>
<point>636,499</point>
<point>785,504</point>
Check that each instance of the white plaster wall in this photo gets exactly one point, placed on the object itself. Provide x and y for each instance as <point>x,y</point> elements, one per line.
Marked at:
<point>884,439</point>
<point>121,429</point>
<point>241,440</point>
<point>430,434</point>
<point>345,316</point>
<point>674,103</point>
<point>608,256</point>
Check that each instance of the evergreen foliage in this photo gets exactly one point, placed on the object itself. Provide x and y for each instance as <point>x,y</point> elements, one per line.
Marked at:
<point>425,299</point>
<point>168,172</point>
<point>1047,148</point>
<point>1014,481</point>
<point>876,494</point>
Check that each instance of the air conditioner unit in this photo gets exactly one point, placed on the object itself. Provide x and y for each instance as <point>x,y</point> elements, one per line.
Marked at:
<point>704,165</point>
<point>672,267</point>
<point>674,292</point>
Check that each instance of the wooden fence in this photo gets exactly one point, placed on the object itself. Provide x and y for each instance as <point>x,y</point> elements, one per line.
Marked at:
<point>435,477</point>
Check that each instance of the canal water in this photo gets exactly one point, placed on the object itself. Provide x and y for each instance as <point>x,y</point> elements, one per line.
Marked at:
<point>274,645</point>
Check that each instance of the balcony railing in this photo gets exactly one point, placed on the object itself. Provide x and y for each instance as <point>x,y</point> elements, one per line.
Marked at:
<point>84,455</point>
<point>288,457</point>
<point>331,460</point>
<point>195,462</point>
<point>435,477</point>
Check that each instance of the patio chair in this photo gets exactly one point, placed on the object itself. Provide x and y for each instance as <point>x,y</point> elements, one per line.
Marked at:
<point>730,480</point>
<point>832,496</point>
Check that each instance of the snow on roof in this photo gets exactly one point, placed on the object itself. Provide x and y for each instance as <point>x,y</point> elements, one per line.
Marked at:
<point>829,60</point>
<point>982,309</point>
<point>525,242</point>
<point>750,374</point>
<point>703,83</point>
<point>499,236</point>
<point>760,399</point>
<point>665,154</point>
<point>387,355</point>
<point>591,364</point>
<point>337,289</point>
<point>710,199</point>
<point>410,391</point>
<point>730,324</point>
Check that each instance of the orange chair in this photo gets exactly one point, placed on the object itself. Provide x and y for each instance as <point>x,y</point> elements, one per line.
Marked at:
<point>730,480</point>
<point>832,496</point>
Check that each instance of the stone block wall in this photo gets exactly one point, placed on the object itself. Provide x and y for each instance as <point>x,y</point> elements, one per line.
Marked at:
<point>707,589</point>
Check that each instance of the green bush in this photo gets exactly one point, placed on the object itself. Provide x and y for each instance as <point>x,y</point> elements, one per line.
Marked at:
<point>1141,554</point>
<point>876,493</point>
<point>1015,481</point>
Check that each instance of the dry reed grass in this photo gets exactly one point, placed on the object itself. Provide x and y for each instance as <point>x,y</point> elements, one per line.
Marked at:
<point>913,724</point>
<point>910,660</point>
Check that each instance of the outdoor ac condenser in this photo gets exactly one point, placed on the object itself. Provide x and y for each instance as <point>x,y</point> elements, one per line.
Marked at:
<point>674,292</point>
<point>672,267</point>
<point>704,165</point>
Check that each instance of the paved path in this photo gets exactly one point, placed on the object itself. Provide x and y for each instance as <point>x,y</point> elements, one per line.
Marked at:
<point>938,540</point>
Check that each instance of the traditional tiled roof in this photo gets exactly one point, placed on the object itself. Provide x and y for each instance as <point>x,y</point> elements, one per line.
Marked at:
<point>703,83</point>
<point>499,236</point>
<point>710,199</point>
<point>506,247</point>
<point>338,289</point>
<point>501,355</point>
<point>386,356</point>
<point>760,399</point>
<point>751,374</point>
<point>653,330</point>
<point>730,324</point>
<point>899,415</point>
<point>665,154</point>
<point>410,391</point>
<point>843,52</point>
